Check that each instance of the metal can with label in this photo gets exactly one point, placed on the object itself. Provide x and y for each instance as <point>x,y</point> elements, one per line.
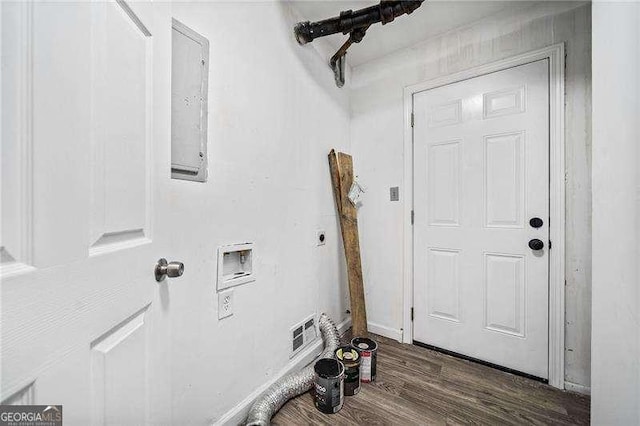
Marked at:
<point>368,355</point>
<point>350,358</point>
<point>329,385</point>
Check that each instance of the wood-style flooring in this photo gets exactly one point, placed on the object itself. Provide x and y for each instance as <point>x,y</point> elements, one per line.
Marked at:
<point>420,386</point>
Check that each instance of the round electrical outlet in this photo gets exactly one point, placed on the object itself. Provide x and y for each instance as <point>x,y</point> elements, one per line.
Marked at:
<point>322,238</point>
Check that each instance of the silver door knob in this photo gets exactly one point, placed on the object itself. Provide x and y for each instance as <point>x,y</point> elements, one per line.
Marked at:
<point>168,269</point>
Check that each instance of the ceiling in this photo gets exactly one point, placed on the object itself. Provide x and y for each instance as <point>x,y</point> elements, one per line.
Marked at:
<point>431,19</point>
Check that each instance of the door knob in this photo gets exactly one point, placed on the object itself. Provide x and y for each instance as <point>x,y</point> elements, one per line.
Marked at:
<point>536,244</point>
<point>170,269</point>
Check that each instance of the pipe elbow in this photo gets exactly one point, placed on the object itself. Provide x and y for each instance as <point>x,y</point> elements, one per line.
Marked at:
<point>302,31</point>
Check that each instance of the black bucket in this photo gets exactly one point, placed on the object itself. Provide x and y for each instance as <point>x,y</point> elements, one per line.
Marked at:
<point>368,356</point>
<point>350,358</point>
<point>329,385</point>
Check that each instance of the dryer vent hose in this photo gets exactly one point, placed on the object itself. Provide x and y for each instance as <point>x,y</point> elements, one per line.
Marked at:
<point>292,384</point>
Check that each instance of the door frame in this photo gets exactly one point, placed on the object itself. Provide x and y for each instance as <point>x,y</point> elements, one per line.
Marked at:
<point>556,56</point>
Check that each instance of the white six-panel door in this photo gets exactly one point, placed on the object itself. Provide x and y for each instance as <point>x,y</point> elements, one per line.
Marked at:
<point>85,154</point>
<point>481,165</point>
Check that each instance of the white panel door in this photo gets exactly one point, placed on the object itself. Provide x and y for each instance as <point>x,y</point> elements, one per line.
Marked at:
<point>85,108</point>
<point>481,165</point>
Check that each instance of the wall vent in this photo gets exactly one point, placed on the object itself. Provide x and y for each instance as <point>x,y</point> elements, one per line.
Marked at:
<point>298,339</point>
<point>302,334</point>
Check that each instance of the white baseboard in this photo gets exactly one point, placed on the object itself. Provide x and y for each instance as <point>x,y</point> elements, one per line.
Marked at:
<point>574,387</point>
<point>238,413</point>
<point>344,326</point>
<point>391,333</point>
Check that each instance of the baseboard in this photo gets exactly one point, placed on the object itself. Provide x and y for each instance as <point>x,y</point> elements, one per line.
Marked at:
<point>391,333</point>
<point>574,387</point>
<point>344,326</point>
<point>238,413</point>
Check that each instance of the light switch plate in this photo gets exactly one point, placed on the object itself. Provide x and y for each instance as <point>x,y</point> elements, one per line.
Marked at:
<point>394,193</point>
<point>225,304</point>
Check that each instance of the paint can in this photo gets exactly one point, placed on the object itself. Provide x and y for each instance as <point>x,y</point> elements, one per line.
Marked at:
<point>329,385</point>
<point>350,358</point>
<point>368,355</point>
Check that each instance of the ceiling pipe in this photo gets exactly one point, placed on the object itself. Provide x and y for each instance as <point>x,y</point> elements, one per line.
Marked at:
<point>349,20</point>
<point>354,23</point>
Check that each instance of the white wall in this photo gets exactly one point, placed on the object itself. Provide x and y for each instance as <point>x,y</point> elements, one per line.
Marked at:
<point>274,114</point>
<point>377,144</point>
<point>615,342</point>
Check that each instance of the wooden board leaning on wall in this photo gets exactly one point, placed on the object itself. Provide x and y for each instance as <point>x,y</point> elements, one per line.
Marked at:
<point>341,167</point>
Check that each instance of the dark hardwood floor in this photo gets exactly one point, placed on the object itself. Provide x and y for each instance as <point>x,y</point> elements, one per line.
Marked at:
<point>420,386</point>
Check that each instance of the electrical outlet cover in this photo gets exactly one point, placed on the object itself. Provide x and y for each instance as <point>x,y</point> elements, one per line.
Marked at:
<point>225,303</point>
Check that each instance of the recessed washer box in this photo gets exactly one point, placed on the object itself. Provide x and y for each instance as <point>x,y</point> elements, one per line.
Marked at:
<point>235,265</point>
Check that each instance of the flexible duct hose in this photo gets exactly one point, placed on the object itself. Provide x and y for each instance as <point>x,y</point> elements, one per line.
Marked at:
<point>293,384</point>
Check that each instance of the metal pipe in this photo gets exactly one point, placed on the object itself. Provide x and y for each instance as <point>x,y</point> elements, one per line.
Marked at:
<point>349,20</point>
<point>293,384</point>
<point>356,36</point>
<point>337,61</point>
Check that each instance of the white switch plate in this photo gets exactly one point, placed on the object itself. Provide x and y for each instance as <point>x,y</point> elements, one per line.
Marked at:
<point>225,303</point>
